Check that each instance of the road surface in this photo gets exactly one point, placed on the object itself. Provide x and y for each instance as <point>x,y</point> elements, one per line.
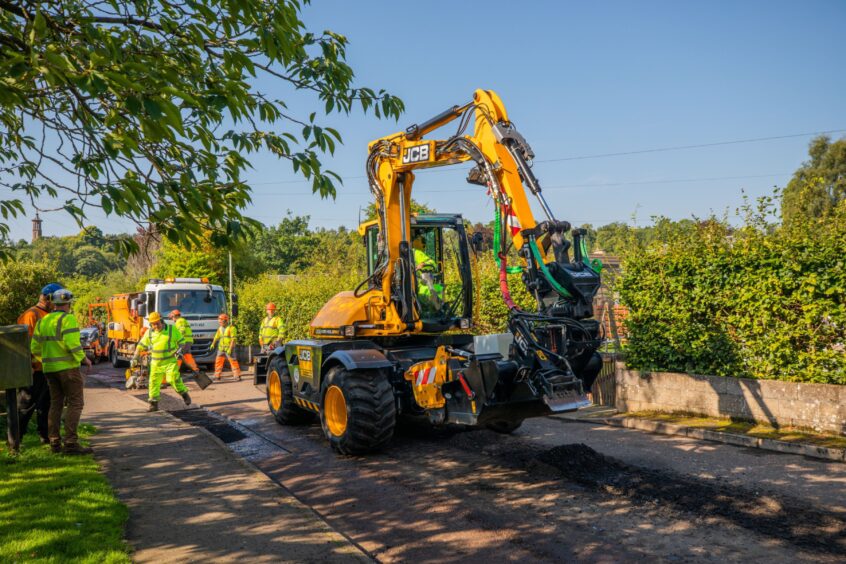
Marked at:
<point>553,491</point>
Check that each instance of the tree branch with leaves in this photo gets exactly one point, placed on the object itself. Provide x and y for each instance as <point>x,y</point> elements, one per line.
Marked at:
<point>148,110</point>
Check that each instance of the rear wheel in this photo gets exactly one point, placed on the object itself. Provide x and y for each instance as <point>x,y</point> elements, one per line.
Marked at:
<point>280,395</point>
<point>505,427</point>
<point>358,413</point>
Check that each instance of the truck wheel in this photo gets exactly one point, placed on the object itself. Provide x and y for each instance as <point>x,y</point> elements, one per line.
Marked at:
<point>357,411</point>
<point>116,362</point>
<point>280,395</point>
<point>504,426</point>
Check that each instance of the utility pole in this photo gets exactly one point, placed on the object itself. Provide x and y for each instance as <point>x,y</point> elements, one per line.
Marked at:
<point>231,292</point>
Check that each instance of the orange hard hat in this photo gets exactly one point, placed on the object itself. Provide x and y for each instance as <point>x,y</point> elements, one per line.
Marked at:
<point>223,317</point>
<point>174,313</point>
<point>271,305</point>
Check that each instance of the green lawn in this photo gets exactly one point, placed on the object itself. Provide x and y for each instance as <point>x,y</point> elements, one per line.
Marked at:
<point>56,508</point>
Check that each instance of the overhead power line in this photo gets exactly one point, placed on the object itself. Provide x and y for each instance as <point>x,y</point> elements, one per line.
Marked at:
<point>564,186</point>
<point>601,155</point>
<point>683,147</point>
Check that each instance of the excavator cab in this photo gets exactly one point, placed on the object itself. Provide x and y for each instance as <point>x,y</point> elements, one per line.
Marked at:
<point>443,283</point>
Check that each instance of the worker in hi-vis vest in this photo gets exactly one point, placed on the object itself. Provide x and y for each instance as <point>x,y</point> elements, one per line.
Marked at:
<point>270,332</point>
<point>163,341</point>
<point>225,339</point>
<point>55,344</point>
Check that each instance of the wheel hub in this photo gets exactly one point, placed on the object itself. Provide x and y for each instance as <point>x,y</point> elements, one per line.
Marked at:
<point>335,410</point>
<point>274,389</point>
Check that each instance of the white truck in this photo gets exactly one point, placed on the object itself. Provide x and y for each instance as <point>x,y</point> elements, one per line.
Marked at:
<point>199,302</point>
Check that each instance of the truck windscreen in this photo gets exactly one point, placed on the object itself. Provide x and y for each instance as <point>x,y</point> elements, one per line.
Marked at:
<point>192,303</point>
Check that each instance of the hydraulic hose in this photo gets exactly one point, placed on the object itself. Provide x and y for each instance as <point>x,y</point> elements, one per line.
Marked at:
<point>497,238</point>
<point>503,282</point>
<point>546,274</point>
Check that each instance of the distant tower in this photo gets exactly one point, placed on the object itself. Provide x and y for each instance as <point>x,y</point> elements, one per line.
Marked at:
<point>36,228</point>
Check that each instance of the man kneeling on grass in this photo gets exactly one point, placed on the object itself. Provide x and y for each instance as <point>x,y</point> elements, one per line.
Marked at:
<point>55,343</point>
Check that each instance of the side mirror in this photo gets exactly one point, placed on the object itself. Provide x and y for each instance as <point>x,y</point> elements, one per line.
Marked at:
<point>142,310</point>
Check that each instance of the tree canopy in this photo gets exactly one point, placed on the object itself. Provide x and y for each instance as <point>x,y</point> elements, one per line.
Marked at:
<point>148,109</point>
<point>819,185</point>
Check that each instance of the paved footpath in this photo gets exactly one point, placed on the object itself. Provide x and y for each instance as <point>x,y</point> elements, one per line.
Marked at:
<point>190,499</point>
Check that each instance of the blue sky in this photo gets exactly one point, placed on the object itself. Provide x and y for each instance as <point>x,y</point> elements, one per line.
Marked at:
<point>581,79</point>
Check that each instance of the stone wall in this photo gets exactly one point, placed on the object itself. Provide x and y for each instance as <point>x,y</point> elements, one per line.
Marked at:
<point>817,406</point>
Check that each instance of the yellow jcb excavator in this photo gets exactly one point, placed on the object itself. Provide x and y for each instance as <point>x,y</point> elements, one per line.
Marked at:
<point>390,346</point>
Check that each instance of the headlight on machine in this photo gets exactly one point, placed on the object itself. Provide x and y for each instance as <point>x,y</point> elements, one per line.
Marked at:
<point>348,330</point>
<point>464,323</point>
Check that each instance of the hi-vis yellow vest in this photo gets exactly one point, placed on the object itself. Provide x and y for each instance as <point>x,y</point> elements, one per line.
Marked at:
<point>271,330</point>
<point>185,328</point>
<point>163,344</point>
<point>55,342</point>
<point>226,336</point>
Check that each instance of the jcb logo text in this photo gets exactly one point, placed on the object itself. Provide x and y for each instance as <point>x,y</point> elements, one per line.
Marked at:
<point>416,154</point>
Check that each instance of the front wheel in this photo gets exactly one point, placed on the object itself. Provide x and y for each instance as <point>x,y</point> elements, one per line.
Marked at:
<point>116,361</point>
<point>357,411</point>
<point>280,395</point>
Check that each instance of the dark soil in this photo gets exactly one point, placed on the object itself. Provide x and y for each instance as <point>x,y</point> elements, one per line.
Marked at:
<point>779,518</point>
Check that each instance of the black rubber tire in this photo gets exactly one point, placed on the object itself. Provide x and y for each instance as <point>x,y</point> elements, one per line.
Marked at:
<point>289,413</point>
<point>371,410</point>
<point>116,362</point>
<point>505,427</point>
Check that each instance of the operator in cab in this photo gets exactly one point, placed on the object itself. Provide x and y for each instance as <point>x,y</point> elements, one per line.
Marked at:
<point>429,293</point>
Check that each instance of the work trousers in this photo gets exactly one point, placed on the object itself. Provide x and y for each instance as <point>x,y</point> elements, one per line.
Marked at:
<point>189,362</point>
<point>66,387</point>
<point>165,370</point>
<point>35,399</point>
<point>222,357</point>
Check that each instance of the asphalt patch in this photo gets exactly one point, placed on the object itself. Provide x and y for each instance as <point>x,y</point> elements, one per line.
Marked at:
<point>778,518</point>
<point>216,426</point>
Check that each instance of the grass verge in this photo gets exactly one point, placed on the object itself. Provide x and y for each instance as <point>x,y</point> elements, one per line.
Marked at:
<point>750,428</point>
<point>56,508</point>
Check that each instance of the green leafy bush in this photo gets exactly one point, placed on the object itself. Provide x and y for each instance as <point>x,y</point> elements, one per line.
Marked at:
<point>297,299</point>
<point>20,284</point>
<point>760,301</point>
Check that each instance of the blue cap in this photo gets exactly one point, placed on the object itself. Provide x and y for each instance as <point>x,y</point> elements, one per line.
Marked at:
<point>50,288</point>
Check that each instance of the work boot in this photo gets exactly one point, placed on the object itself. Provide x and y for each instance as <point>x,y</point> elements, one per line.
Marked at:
<point>154,406</point>
<point>186,398</point>
<point>75,449</point>
<point>56,448</point>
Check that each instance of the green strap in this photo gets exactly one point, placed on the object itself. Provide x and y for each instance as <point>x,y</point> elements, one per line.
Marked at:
<point>546,274</point>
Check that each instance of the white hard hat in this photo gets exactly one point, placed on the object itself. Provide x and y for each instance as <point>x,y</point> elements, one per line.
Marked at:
<point>61,297</point>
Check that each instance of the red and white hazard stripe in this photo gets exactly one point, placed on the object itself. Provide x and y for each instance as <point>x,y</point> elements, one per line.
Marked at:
<point>513,221</point>
<point>425,376</point>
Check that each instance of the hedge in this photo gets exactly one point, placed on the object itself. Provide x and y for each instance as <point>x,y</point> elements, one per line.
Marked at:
<point>300,297</point>
<point>760,301</point>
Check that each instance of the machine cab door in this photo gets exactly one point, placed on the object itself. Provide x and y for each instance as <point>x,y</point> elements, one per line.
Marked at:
<point>443,283</point>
